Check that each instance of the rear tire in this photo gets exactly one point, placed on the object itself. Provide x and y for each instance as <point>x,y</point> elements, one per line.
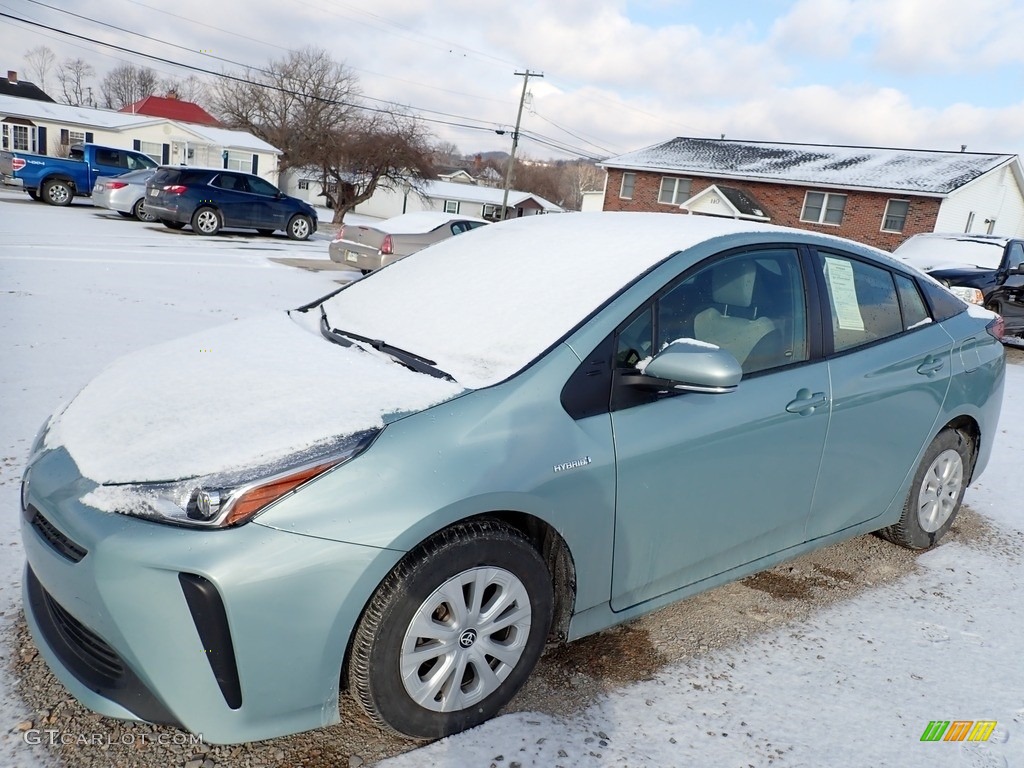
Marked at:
<point>172,224</point>
<point>56,192</point>
<point>206,221</point>
<point>936,492</point>
<point>453,632</point>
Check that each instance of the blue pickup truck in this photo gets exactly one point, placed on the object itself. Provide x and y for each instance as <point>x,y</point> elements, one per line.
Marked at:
<point>58,180</point>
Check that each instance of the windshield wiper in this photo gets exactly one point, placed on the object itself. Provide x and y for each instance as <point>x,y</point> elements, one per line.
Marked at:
<point>411,360</point>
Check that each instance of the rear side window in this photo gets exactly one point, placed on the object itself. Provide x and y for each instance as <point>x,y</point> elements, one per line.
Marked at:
<point>915,313</point>
<point>944,304</point>
<point>862,301</point>
<point>194,177</point>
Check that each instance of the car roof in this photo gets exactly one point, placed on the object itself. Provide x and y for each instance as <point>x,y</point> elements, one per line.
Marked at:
<point>418,222</point>
<point>951,250</point>
<point>499,296</point>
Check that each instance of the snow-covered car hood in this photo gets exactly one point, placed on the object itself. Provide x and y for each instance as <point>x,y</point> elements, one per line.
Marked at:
<point>927,263</point>
<point>248,393</point>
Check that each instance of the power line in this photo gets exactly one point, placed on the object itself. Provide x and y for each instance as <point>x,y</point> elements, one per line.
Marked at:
<point>458,121</point>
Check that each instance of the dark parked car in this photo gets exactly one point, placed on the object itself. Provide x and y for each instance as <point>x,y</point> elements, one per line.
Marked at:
<point>981,269</point>
<point>209,199</point>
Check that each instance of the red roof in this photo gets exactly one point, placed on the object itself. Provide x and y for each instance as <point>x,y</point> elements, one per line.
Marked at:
<point>172,109</point>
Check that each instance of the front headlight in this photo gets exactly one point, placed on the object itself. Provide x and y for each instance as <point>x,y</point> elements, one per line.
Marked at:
<point>970,295</point>
<point>220,501</point>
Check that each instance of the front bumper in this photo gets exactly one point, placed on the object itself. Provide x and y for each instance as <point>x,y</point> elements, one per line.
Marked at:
<point>238,635</point>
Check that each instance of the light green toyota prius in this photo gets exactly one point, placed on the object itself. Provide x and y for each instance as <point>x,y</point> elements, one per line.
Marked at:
<point>520,436</point>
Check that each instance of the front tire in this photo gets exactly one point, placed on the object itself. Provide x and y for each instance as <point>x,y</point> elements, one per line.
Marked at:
<point>453,632</point>
<point>206,221</point>
<point>936,493</point>
<point>57,193</point>
<point>299,227</point>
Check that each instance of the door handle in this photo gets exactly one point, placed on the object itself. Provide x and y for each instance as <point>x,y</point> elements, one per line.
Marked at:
<point>931,365</point>
<point>806,402</point>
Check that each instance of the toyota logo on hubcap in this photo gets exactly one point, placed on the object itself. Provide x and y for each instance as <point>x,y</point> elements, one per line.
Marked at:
<point>467,638</point>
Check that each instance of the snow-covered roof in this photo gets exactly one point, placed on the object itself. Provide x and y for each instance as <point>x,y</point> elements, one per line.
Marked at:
<point>471,193</point>
<point>921,171</point>
<point>108,119</point>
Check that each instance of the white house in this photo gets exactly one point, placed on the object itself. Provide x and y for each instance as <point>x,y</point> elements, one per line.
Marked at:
<point>449,196</point>
<point>48,128</point>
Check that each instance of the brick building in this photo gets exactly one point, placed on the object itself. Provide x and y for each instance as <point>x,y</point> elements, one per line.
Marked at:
<point>874,195</point>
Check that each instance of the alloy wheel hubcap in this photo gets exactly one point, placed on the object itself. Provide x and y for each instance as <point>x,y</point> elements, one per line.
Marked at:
<point>207,221</point>
<point>465,639</point>
<point>300,228</point>
<point>940,490</point>
<point>58,194</point>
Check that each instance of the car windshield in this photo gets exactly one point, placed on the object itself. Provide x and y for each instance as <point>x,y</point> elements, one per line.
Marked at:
<point>485,304</point>
<point>937,252</point>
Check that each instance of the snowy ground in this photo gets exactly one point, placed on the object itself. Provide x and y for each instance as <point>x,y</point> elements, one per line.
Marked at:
<point>854,685</point>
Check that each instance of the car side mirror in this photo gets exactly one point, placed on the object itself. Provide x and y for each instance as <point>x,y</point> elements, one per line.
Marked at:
<point>691,366</point>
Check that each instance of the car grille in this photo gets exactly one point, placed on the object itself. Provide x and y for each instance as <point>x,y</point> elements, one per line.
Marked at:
<point>61,544</point>
<point>82,650</point>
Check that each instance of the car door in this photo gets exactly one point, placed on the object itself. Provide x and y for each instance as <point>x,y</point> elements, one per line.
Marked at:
<point>230,195</point>
<point>1008,297</point>
<point>709,482</point>
<point>269,210</point>
<point>890,371</point>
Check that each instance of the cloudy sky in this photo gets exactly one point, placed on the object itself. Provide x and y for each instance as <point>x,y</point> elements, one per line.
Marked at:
<point>618,75</point>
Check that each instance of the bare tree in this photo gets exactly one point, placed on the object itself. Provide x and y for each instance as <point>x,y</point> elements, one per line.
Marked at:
<point>72,75</point>
<point>307,105</point>
<point>125,84</point>
<point>446,153</point>
<point>375,151</point>
<point>579,177</point>
<point>191,88</point>
<point>39,63</point>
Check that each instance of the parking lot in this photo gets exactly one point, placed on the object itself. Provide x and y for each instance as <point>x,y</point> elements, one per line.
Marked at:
<point>80,286</point>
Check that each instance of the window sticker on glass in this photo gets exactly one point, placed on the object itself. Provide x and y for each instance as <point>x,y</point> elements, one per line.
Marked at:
<point>839,274</point>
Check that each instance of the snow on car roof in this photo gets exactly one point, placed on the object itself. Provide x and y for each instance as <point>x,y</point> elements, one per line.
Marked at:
<point>937,250</point>
<point>486,303</point>
<point>418,222</point>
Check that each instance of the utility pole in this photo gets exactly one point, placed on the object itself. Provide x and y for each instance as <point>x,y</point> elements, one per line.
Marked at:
<point>515,138</point>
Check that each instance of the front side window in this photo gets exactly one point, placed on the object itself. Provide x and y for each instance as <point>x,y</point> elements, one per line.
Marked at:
<point>261,186</point>
<point>1016,257</point>
<point>451,206</point>
<point>750,304</point>
<point>628,182</point>
<point>823,208</point>
<point>674,191</point>
<point>862,301</point>
<point>109,157</point>
<point>895,218</point>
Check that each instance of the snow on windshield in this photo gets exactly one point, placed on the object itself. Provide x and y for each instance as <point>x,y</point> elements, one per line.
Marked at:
<point>486,303</point>
<point>937,252</point>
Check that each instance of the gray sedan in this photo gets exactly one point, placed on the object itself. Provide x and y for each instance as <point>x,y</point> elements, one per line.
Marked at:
<point>369,248</point>
<point>125,194</point>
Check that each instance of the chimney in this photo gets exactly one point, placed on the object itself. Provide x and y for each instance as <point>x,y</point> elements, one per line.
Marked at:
<point>12,77</point>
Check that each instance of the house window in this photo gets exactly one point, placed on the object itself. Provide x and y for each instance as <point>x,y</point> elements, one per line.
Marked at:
<point>823,208</point>
<point>451,206</point>
<point>240,161</point>
<point>489,211</point>
<point>5,138</point>
<point>895,215</point>
<point>153,150</point>
<point>23,138</point>
<point>990,226</point>
<point>303,183</point>
<point>970,221</point>
<point>674,191</point>
<point>626,190</point>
